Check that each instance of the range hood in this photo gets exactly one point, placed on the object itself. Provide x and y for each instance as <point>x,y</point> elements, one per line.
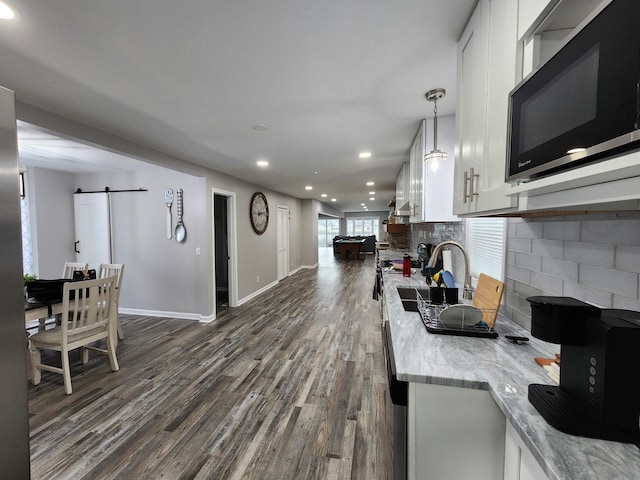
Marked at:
<point>403,211</point>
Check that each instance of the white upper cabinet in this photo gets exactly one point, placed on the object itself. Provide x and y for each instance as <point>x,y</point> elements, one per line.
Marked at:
<point>416,155</point>
<point>486,76</point>
<point>402,186</point>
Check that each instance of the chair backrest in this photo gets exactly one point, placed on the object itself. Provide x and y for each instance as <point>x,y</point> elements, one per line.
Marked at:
<point>109,269</point>
<point>70,267</point>
<point>87,307</point>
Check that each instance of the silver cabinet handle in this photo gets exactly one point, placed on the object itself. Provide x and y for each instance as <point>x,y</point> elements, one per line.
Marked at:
<point>464,191</point>
<point>468,179</point>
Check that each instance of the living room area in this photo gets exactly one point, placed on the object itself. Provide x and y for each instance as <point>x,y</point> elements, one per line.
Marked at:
<point>364,227</point>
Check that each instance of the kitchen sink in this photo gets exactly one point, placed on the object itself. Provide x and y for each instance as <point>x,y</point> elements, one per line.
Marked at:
<point>408,297</point>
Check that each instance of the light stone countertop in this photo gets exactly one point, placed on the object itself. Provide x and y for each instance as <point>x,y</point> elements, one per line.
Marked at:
<point>505,370</point>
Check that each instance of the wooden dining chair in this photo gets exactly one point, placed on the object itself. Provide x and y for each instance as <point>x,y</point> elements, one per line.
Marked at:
<point>106,270</point>
<point>87,316</point>
<point>70,267</point>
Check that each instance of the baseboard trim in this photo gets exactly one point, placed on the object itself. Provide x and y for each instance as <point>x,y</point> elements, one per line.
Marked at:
<point>205,318</point>
<point>159,313</point>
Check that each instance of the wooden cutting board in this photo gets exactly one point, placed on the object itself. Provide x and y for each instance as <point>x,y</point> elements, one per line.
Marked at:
<point>487,297</point>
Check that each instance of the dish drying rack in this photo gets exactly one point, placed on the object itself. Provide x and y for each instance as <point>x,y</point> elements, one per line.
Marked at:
<point>430,315</point>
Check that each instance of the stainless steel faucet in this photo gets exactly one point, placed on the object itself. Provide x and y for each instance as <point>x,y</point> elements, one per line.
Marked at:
<point>467,292</point>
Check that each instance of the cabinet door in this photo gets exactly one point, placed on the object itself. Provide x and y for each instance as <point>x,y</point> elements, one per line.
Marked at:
<point>471,101</point>
<point>453,433</point>
<point>415,169</point>
<point>519,463</point>
<point>401,192</point>
<point>486,75</point>
<point>501,79</point>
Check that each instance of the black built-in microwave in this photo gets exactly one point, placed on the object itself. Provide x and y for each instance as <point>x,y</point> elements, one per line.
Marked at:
<point>583,104</point>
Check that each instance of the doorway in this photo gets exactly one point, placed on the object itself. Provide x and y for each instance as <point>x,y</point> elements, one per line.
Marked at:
<point>92,213</point>
<point>221,251</point>
<point>283,242</point>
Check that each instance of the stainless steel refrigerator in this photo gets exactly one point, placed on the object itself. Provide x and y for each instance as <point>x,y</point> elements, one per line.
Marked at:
<point>14,422</point>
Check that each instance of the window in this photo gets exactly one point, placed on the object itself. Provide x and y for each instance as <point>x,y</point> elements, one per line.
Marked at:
<point>486,246</point>
<point>27,248</point>
<point>363,226</point>
<point>327,229</point>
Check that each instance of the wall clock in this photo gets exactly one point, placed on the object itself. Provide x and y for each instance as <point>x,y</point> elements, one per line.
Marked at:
<point>259,212</point>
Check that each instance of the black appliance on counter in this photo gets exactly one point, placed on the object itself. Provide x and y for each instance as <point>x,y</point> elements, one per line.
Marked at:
<point>584,103</point>
<point>599,391</point>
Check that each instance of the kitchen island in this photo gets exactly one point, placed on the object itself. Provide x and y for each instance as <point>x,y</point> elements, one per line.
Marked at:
<point>472,374</point>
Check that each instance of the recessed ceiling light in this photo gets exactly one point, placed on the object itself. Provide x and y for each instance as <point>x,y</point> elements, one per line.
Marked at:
<point>372,193</point>
<point>333,199</point>
<point>370,184</point>
<point>576,150</point>
<point>6,12</point>
<point>315,173</point>
<point>371,198</point>
<point>260,127</point>
<point>308,187</point>
<point>362,204</point>
<point>365,154</point>
<point>262,163</point>
<point>323,195</point>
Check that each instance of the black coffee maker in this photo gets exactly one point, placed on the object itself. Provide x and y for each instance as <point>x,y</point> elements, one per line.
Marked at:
<point>599,391</point>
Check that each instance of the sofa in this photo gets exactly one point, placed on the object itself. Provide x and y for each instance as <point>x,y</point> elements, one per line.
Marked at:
<point>369,245</point>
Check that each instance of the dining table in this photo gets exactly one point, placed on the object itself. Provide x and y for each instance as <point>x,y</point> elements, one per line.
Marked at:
<point>37,310</point>
<point>345,246</point>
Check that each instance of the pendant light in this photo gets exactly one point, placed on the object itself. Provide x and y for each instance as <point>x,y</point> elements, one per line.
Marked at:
<point>435,156</point>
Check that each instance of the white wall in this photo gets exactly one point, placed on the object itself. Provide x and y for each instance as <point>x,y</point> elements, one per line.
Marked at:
<point>181,282</point>
<point>594,258</point>
<point>50,194</point>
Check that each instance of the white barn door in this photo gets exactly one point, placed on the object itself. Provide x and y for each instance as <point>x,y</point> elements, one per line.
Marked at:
<point>93,228</point>
<point>283,242</point>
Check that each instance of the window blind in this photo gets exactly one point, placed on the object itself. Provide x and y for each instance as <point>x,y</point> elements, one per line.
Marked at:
<point>486,245</point>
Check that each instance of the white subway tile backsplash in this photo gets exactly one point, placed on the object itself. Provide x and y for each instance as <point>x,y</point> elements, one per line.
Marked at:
<point>547,248</point>
<point>531,262</point>
<point>615,281</point>
<point>625,303</point>
<point>594,296</point>
<point>560,268</point>
<point>628,259</point>
<point>522,245</point>
<point>549,284</point>
<point>529,230</point>
<point>561,231</point>
<point>598,254</point>
<point>618,232</point>
<point>594,258</point>
<point>519,274</point>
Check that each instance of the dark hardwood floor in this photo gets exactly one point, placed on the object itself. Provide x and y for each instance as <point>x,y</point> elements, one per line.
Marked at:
<point>291,385</point>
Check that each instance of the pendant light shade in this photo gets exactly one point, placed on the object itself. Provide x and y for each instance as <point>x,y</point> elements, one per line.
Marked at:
<point>435,157</point>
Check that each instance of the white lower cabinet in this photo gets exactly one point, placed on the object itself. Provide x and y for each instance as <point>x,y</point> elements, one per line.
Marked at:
<point>519,463</point>
<point>453,433</point>
<point>458,433</point>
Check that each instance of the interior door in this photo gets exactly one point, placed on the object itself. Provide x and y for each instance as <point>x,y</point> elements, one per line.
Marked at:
<point>93,228</point>
<point>221,252</point>
<point>283,242</point>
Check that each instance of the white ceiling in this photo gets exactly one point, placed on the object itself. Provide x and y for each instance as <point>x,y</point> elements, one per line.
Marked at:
<point>330,78</point>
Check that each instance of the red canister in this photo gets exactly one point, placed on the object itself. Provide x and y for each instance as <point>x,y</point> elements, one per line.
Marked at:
<point>406,266</point>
